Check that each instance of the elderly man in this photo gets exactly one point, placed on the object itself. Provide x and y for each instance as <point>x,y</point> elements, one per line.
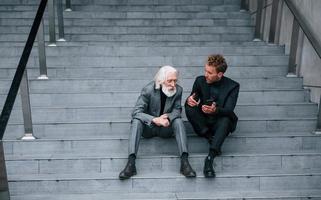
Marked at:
<point>210,108</point>
<point>158,113</point>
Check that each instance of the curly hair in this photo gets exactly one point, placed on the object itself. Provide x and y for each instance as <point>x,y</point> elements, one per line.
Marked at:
<point>217,61</point>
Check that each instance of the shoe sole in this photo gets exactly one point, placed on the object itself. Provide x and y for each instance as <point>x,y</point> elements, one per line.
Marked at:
<point>125,178</point>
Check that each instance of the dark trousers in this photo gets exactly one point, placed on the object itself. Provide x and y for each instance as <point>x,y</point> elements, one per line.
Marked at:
<point>214,128</point>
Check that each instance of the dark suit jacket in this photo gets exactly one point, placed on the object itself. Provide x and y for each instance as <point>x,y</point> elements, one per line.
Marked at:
<point>148,104</point>
<point>225,101</point>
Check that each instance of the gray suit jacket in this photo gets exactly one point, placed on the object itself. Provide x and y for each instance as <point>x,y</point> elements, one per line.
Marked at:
<point>148,104</point>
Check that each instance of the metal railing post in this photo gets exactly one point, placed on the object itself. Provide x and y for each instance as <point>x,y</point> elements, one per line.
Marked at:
<point>318,129</point>
<point>258,23</point>
<point>52,29</point>
<point>60,21</point>
<point>274,15</point>
<point>4,188</point>
<point>293,49</point>
<point>26,108</point>
<point>42,52</point>
<point>244,5</point>
<point>68,5</point>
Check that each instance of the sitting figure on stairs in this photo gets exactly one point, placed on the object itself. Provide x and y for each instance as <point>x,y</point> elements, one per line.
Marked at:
<point>158,113</point>
<point>210,108</point>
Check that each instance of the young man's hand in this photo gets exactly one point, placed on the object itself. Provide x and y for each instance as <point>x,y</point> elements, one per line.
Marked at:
<point>209,109</point>
<point>191,100</point>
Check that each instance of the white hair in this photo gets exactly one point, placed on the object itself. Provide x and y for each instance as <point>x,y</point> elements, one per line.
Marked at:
<point>161,75</point>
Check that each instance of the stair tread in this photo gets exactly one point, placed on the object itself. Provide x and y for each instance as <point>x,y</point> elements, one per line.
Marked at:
<point>165,175</point>
<point>158,156</point>
<point>233,135</point>
<point>213,195</point>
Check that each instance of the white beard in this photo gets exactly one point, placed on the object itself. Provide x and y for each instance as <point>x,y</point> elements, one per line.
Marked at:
<point>167,92</point>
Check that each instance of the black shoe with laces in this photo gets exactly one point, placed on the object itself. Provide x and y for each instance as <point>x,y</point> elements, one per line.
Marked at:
<point>186,169</point>
<point>129,171</point>
<point>208,167</point>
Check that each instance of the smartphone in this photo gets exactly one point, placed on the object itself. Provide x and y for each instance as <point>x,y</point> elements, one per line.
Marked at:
<point>209,102</point>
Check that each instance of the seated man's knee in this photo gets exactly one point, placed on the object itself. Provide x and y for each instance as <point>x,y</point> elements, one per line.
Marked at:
<point>177,122</point>
<point>225,121</point>
<point>136,122</point>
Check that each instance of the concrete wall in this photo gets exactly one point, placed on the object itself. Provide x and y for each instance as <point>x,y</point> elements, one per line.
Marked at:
<point>308,62</point>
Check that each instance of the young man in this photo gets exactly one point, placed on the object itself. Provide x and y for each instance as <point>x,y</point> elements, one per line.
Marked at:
<point>210,108</point>
<point>158,113</point>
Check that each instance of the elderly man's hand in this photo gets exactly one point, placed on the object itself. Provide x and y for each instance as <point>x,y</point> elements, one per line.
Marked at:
<point>161,120</point>
<point>191,100</point>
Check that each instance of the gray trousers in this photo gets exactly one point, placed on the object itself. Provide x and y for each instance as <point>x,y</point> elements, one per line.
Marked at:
<point>139,129</point>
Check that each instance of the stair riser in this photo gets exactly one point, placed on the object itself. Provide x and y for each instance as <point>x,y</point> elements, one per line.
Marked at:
<point>151,61</point>
<point>104,8</point>
<point>140,30</point>
<point>135,73</point>
<point>130,2</point>
<point>14,22</point>
<point>103,86</point>
<point>65,131</point>
<point>168,185</point>
<point>129,99</point>
<point>146,51</point>
<point>135,15</point>
<point>113,166</point>
<point>69,115</point>
<point>159,146</point>
<point>140,37</point>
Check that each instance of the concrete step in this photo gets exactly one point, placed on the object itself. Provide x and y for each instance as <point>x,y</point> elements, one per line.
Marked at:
<point>150,61</point>
<point>135,73</point>
<point>130,2</point>
<point>115,146</point>
<point>236,163</point>
<point>98,129</point>
<point>212,195</point>
<point>266,97</point>
<point>140,37</point>
<point>170,182</point>
<point>115,14</point>
<point>155,8</point>
<point>77,86</point>
<point>96,51</point>
<point>18,22</point>
<point>114,113</point>
<point>140,8</point>
<point>139,30</point>
<point>139,44</point>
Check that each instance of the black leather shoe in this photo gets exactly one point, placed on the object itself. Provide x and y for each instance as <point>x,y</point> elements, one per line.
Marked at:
<point>186,169</point>
<point>208,167</point>
<point>129,171</point>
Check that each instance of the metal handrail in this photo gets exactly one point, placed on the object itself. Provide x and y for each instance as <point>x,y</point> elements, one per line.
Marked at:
<point>19,76</point>
<point>11,97</point>
<point>314,42</point>
<point>298,22</point>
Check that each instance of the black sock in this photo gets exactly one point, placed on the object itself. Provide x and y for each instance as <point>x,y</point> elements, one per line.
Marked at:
<point>132,157</point>
<point>184,156</point>
<point>212,153</point>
